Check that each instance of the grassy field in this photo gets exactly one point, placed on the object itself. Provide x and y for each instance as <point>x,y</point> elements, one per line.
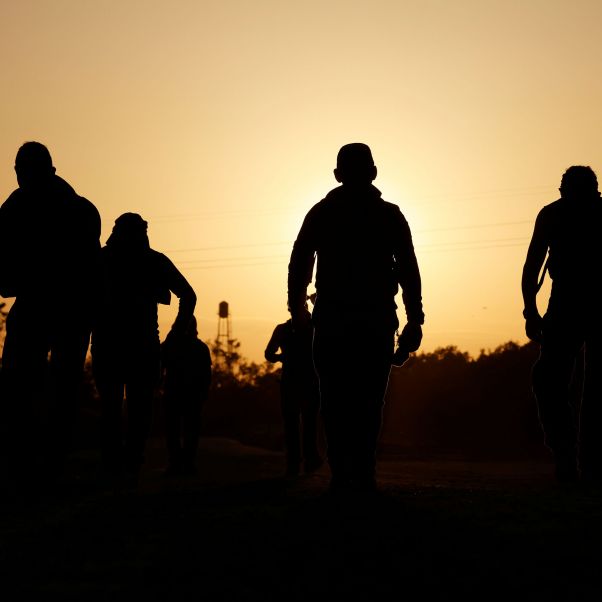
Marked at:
<point>438,530</point>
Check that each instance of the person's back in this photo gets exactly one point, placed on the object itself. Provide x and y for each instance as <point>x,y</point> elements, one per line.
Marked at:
<point>125,341</point>
<point>186,365</point>
<point>574,231</point>
<point>135,279</point>
<point>299,394</point>
<point>363,247</point>
<point>355,242</point>
<point>49,242</point>
<point>569,230</point>
<point>49,238</point>
<point>295,354</point>
<point>364,252</point>
<point>133,285</point>
<point>186,362</point>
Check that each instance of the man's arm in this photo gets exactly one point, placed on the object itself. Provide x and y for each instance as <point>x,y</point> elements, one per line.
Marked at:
<point>408,274</point>
<point>271,351</point>
<point>179,286</point>
<point>301,266</point>
<point>205,366</point>
<point>538,248</point>
<point>93,224</point>
<point>408,277</point>
<point>9,266</point>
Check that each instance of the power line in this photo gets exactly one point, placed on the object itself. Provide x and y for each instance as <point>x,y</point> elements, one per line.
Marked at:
<point>472,242</point>
<point>278,259</point>
<point>221,247</point>
<point>288,242</point>
<point>474,226</point>
<point>486,195</point>
<point>189,261</point>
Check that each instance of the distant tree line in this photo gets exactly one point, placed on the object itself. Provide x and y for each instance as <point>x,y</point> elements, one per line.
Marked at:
<point>450,403</point>
<point>444,402</point>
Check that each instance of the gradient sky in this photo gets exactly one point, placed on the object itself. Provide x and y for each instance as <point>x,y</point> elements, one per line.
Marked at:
<point>220,122</point>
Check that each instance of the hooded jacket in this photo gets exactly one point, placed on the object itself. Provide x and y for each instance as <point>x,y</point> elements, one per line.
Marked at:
<point>364,252</point>
<point>49,244</point>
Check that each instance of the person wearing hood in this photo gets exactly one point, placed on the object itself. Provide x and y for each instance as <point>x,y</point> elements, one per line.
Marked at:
<point>125,342</point>
<point>364,253</point>
<point>49,244</point>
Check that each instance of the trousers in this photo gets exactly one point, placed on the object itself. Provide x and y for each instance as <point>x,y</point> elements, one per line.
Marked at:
<point>567,383</point>
<point>353,368</point>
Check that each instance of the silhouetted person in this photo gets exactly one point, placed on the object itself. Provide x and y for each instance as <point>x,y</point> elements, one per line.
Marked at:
<point>299,394</point>
<point>49,246</point>
<point>364,252</point>
<point>186,364</point>
<point>569,230</point>
<point>125,340</point>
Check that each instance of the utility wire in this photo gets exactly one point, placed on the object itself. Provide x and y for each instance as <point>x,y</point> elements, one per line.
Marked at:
<point>486,195</point>
<point>288,242</point>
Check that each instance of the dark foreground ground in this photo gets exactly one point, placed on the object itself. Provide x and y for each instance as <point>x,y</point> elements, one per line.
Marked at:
<point>439,530</point>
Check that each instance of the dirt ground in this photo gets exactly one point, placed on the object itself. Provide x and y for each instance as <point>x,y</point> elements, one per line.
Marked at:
<point>438,530</point>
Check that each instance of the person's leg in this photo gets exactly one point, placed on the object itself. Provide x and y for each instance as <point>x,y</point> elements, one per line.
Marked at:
<point>552,375</point>
<point>368,400</point>
<point>310,408</point>
<point>24,377</point>
<point>110,390</point>
<point>67,357</point>
<point>109,380</point>
<point>590,416</point>
<point>139,403</point>
<point>336,387</point>
<point>173,425</point>
<point>353,368</point>
<point>143,377</point>
<point>289,400</point>
<point>191,430</point>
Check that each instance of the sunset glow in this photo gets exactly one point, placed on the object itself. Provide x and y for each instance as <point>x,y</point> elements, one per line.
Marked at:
<point>219,122</point>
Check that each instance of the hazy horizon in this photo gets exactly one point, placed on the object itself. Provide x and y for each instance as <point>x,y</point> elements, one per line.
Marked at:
<point>219,122</point>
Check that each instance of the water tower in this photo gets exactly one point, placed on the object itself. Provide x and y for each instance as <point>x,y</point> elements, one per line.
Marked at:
<point>224,327</point>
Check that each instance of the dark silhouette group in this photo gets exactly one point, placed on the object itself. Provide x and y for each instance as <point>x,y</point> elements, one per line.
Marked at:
<point>67,290</point>
<point>335,361</point>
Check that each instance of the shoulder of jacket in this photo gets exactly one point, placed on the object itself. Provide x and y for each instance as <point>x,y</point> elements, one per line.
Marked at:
<point>553,206</point>
<point>12,199</point>
<point>393,211</point>
<point>89,205</point>
<point>552,210</point>
<point>394,208</point>
<point>158,256</point>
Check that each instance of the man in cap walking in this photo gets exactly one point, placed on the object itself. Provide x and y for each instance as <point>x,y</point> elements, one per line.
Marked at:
<point>364,252</point>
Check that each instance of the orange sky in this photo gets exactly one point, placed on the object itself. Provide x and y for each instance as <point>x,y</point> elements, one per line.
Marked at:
<point>219,122</point>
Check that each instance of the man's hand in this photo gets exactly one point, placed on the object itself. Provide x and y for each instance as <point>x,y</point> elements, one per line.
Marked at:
<point>411,336</point>
<point>408,341</point>
<point>533,327</point>
<point>274,357</point>
<point>301,319</point>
